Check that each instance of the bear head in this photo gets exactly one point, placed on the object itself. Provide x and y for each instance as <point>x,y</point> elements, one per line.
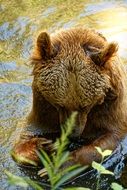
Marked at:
<point>70,71</point>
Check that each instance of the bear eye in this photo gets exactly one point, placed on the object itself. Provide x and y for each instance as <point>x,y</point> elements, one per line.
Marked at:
<point>90,50</point>
<point>94,53</point>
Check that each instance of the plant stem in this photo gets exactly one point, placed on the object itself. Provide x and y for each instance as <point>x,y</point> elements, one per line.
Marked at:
<point>99,176</point>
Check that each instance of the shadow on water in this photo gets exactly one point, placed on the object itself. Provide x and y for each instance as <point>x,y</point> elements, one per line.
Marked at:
<point>20,21</point>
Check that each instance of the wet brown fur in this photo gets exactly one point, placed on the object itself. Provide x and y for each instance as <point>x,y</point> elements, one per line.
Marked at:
<point>78,70</point>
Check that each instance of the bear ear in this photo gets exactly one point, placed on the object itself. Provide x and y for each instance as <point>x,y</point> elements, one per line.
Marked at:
<point>101,56</point>
<point>44,45</point>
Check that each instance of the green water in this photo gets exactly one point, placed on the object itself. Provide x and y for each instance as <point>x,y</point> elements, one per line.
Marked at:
<point>20,22</point>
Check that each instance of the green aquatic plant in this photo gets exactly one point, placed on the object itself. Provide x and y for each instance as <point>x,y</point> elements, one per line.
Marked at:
<point>57,174</point>
<point>99,167</point>
<point>116,186</point>
<point>102,170</point>
<point>53,165</point>
<point>22,181</point>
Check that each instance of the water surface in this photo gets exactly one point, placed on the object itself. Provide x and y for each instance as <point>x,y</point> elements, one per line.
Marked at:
<point>20,21</point>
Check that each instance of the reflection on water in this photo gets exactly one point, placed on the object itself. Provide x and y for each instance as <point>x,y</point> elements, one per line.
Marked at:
<point>20,21</point>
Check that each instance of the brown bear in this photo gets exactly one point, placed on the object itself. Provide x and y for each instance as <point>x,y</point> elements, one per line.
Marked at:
<point>76,70</point>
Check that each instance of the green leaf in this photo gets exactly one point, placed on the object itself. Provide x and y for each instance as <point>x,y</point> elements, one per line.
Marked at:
<point>116,186</point>
<point>64,172</point>
<point>101,168</point>
<point>22,182</point>
<point>103,153</point>
<point>45,156</point>
<point>56,178</point>
<point>56,144</point>
<point>15,180</point>
<point>34,184</point>
<point>68,176</point>
<point>46,165</point>
<point>107,153</point>
<point>63,158</point>
<point>97,166</point>
<point>107,172</point>
<point>21,159</point>
<point>61,143</point>
<point>71,168</point>
<point>99,150</point>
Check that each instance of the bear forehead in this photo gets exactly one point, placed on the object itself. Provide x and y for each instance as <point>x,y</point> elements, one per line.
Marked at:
<point>82,36</point>
<point>72,45</point>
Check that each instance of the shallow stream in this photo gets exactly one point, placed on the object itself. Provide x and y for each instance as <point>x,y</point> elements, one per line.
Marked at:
<point>20,21</point>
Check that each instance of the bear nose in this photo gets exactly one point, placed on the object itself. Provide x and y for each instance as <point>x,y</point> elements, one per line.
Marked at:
<point>79,124</point>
